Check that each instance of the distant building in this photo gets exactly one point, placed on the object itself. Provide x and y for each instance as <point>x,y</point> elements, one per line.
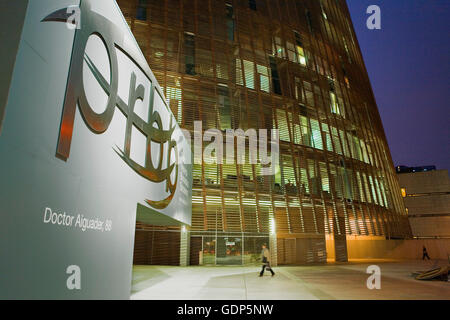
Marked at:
<point>426,194</point>
<point>405,169</point>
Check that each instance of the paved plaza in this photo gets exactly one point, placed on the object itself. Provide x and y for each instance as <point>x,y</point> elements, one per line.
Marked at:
<point>336,281</point>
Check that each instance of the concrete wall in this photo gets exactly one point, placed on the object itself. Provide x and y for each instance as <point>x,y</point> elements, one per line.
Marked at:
<point>425,182</point>
<point>397,249</point>
<point>428,202</point>
<point>430,226</point>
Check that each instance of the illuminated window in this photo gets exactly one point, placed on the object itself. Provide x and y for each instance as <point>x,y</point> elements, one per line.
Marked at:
<point>279,48</point>
<point>222,71</point>
<point>249,73</point>
<point>283,126</point>
<point>305,131</point>
<point>324,175</point>
<point>357,153</point>
<point>327,135</point>
<point>291,51</point>
<point>263,76</point>
<point>344,144</point>
<point>173,95</point>
<point>212,173</point>
<point>316,135</point>
<point>296,53</point>
<point>336,140</point>
<point>301,58</point>
<point>334,104</point>
<point>403,192</point>
<point>239,78</point>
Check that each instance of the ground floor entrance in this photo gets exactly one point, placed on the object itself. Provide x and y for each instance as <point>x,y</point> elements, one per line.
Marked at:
<point>175,246</point>
<point>226,248</point>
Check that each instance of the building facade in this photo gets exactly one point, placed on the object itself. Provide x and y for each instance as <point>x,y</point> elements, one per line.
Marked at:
<point>292,65</point>
<point>426,194</point>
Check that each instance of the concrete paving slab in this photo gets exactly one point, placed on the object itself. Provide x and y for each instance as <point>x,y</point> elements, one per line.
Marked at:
<point>340,281</point>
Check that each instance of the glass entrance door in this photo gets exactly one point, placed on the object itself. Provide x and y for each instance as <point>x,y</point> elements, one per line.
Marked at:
<point>229,251</point>
<point>209,251</point>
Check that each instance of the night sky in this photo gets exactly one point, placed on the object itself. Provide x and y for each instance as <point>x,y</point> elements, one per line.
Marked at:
<point>408,65</point>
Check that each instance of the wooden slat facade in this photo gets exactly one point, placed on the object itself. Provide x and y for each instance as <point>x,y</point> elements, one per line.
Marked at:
<point>292,65</point>
<point>156,246</point>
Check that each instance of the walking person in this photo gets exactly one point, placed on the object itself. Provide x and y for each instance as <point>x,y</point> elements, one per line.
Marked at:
<point>265,257</point>
<point>425,254</point>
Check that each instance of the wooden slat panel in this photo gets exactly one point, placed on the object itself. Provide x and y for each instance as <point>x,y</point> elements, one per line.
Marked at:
<point>332,136</point>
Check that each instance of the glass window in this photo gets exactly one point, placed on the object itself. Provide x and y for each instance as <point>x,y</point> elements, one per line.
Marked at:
<point>275,76</point>
<point>283,125</point>
<point>304,181</point>
<point>334,104</point>
<point>239,77</point>
<point>189,47</point>
<point>301,57</point>
<point>279,48</point>
<point>336,140</point>
<point>263,75</point>
<point>305,131</point>
<point>299,94</point>
<point>324,176</point>
<point>173,94</point>
<point>291,51</point>
<point>249,72</point>
<point>230,22</point>
<point>224,107</point>
<point>309,94</point>
<point>314,177</point>
<point>316,135</point>
<point>326,132</point>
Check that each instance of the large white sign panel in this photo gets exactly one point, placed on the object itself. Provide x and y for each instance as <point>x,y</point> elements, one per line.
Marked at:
<point>86,137</point>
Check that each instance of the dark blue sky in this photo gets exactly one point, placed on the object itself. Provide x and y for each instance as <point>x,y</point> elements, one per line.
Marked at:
<point>408,64</point>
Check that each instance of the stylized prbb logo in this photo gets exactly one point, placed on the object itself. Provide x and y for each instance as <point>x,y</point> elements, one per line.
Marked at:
<point>112,37</point>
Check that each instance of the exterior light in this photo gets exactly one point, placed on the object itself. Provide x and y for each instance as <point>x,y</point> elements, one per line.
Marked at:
<point>272,227</point>
<point>403,192</point>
